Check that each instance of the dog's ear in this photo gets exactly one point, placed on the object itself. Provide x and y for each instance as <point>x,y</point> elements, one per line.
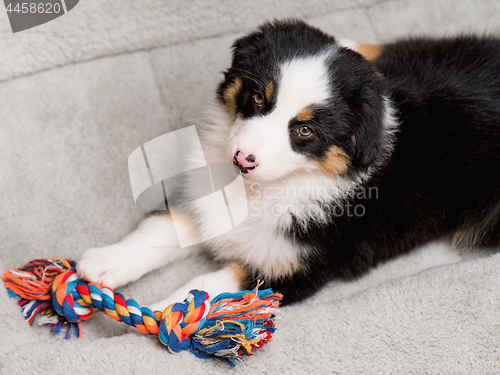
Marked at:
<point>363,91</point>
<point>370,138</point>
<point>244,51</point>
<point>229,77</point>
<point>247,48</point>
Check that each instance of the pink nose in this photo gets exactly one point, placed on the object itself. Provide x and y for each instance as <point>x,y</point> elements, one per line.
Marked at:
<point>246,163</point>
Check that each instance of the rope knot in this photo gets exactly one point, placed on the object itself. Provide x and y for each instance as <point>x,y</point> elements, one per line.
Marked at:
<point>66,298</point>
<point>181,320</point>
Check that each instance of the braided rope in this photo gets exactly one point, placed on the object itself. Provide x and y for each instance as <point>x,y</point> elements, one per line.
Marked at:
<point>76,301</point>
<point>231,325</point>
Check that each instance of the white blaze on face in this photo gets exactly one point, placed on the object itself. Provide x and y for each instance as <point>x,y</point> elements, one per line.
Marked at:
<point>302,83</point>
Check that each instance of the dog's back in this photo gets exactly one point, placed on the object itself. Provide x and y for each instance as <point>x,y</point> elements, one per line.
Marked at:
<point>447,154</point>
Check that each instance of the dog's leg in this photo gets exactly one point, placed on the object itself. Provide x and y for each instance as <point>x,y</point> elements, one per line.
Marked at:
<point>229,279</point>
<point>152,245</point>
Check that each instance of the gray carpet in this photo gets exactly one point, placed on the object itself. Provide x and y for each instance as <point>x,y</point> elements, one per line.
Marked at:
<point>80,93</point>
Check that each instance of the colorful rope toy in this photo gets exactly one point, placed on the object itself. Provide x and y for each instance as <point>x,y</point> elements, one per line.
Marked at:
<point>229,326</point>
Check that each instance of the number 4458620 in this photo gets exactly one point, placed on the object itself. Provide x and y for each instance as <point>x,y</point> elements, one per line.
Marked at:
<point>34,8</point>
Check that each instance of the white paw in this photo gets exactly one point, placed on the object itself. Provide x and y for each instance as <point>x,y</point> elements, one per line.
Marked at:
<point>111,266</point>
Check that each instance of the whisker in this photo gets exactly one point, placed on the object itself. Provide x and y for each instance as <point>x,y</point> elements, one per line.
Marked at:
<point>246,74</point>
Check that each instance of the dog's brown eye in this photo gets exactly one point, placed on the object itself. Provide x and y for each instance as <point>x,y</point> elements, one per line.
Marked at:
<point>305,131</point>
<point>258,99</point>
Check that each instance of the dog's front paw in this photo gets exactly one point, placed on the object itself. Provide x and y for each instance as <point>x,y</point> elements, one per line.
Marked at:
<point>111,266</point>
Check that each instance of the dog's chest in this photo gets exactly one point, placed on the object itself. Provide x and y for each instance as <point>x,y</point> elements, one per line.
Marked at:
<point>261,240</point>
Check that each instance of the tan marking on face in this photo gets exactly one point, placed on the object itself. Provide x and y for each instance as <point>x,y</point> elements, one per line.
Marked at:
<point>269,91</point>
<point>230,95</point>
<point>335,162</point>
<point>369,51</point>
<point>305,115</point>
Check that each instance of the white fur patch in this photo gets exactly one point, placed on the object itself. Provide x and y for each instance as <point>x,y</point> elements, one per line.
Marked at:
<point>304,81</point>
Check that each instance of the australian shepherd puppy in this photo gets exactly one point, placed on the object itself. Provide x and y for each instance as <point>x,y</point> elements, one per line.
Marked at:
<point>350,154</point>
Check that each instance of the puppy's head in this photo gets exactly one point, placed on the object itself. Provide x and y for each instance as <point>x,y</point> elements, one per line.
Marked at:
<point>301,102</point>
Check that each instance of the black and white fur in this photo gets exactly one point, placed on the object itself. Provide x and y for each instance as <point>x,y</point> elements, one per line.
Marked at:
<point>412,139</point>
